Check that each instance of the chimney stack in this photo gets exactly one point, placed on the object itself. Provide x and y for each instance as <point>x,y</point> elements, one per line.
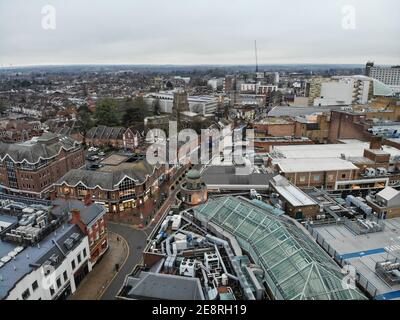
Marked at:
<point>76,216</point>
<point>376,143</point>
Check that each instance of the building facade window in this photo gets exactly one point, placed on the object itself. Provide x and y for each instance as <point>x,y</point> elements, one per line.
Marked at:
<point>34,285</point>
<point>126,189</point>
<point>26,294</point>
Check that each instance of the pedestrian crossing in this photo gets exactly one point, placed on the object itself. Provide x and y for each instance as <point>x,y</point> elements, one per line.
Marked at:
<point>395,247</point>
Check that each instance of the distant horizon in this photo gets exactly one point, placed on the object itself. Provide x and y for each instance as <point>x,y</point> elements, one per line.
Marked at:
<point>186,65</point>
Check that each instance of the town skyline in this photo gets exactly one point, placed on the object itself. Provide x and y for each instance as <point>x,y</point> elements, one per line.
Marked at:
<point>208,153</point>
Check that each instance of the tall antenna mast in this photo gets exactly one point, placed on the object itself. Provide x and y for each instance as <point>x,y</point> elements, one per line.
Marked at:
<point>255,47</point>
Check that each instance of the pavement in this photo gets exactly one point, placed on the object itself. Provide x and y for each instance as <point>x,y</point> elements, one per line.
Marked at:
<point>103,273</point>
<point>136,241</point>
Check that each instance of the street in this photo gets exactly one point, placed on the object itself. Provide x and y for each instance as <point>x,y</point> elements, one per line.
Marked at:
<point>136,240</point>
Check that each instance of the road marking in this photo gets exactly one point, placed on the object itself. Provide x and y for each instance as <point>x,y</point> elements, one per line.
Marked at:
<point>362,253</point>
<point>395,247</point>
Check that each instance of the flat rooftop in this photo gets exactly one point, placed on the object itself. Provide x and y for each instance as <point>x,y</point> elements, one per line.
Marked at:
<point>295,111</point>
<point>363,251</point>
<point>282,139</point>
<point>6,221</point>
<point>336,150</point>
<point>395,140</point>
<point>291,193</point>
<point>347,141</point>
<point>114,160</point>
<point>273,120</point>
<point>226,176</point>
<point>314,165</point>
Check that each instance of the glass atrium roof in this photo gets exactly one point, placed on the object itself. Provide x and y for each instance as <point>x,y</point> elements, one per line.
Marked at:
<point>295,267</point>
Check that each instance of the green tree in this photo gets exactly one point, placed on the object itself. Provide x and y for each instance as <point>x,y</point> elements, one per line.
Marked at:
<point>3,107</point>
<point>107,113</point>
<point>135,111</point>
<point>84,121</point>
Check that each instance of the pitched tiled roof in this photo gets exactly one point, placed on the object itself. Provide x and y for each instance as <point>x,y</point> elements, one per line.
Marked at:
<point>88,213</point>
<point>108,177</point>
<point>47,146</point>
<point>104,132</point>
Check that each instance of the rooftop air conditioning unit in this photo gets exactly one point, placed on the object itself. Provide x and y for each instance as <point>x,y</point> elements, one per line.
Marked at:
<point>54,258</point>
<point>370,172</point>
<point>381,171</point>
<point>75,236</point>
<point>69,243</point>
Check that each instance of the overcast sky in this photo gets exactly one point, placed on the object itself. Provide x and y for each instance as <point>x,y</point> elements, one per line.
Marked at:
<point>199,32</point>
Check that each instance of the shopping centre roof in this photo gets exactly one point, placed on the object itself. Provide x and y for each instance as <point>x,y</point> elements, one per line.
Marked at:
<point>295,267</point>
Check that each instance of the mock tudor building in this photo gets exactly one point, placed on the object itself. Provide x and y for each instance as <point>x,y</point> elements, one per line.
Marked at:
<point>30,168</point>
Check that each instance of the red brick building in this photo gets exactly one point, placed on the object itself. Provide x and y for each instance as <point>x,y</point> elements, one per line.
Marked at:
<point>131,139</point>
<point>20,130</point>
<point>123,187</point>
<point>116,137</point>
<point>348,125</point>
<point>266,144</point>
<point>319,172</point>
<point>275,127</point>
<point>90,219</point>
<point>31,168</point>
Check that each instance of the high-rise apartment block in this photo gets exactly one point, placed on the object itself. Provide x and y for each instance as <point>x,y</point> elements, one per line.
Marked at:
<point>388,75</point>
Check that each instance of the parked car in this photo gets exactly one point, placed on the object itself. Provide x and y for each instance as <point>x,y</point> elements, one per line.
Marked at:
<point>94,166</point>
<point>93,158</point>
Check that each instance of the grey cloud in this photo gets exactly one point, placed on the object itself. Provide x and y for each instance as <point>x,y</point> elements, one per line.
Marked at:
<point>199,32</point>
